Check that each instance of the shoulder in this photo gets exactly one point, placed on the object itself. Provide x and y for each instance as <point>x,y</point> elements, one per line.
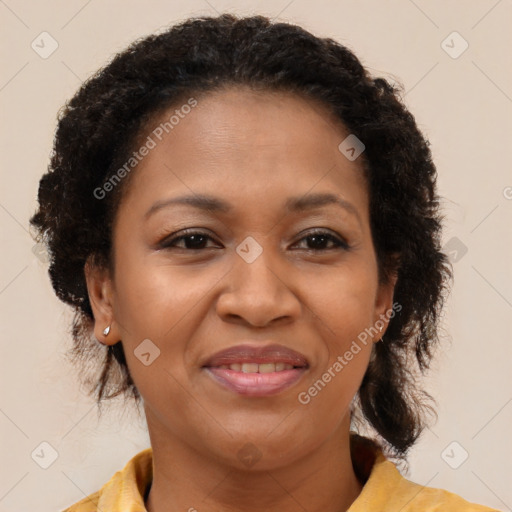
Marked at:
<point>124,491</point>
<point>414,497</point>
<point>386,490</point>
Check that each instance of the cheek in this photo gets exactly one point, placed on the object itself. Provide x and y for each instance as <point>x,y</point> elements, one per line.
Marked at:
<point>343,303</point>
<point>153,296</point>
<point>342,320</point>
<point>166,305</point>
<point>158,308</point>
<point>344,311</point>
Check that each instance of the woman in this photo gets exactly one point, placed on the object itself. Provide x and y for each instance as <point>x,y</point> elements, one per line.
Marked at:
<point>247,227</point>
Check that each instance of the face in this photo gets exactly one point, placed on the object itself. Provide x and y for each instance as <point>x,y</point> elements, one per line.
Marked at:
<point>233,311</point>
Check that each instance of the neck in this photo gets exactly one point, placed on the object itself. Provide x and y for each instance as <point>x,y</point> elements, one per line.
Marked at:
<point>186,480</point>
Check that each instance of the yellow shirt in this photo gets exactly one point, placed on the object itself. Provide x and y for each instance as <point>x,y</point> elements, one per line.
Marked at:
<point>385,489</point>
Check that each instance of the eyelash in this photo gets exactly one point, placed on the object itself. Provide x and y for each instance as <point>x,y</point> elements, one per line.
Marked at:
<point>169,243</point>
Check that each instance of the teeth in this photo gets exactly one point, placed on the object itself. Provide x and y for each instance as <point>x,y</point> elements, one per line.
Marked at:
<point>267,368</point>
<point>257,368</point>
<point>250,368</point>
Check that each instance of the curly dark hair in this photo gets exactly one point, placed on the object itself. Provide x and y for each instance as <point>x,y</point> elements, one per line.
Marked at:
<point>99,127</point>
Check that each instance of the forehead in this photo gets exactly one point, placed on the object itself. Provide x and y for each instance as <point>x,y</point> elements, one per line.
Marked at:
<point>241,139</point>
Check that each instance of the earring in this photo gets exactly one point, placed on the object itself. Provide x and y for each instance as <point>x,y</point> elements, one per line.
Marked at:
<point>106,330</point>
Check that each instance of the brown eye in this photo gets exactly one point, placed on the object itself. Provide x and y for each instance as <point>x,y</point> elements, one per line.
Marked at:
<point>317,241</point>
<point>192,240</point>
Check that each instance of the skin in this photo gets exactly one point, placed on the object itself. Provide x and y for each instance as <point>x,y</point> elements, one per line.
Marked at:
<point>253,150</point>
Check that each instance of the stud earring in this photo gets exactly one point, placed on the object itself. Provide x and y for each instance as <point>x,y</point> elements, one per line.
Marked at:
<point>106,330</point>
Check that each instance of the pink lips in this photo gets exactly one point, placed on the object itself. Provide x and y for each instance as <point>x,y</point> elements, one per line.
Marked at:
<point>252,383</point>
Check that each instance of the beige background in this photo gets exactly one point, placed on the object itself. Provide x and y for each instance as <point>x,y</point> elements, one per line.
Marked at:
<point>464,106</point>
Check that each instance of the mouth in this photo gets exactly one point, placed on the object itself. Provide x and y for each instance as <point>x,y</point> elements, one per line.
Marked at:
<point>256,370</point>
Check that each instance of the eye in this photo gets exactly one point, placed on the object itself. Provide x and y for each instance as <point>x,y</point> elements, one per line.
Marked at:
<point>196,240</point>
<point>192,240</point>
<point>319,238</point>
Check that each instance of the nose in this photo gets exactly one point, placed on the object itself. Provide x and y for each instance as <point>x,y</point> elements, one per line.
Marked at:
<point>258,293</point>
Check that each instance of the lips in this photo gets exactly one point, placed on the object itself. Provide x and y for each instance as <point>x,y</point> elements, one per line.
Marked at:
<point>256,370</point>
<point>247,354</point>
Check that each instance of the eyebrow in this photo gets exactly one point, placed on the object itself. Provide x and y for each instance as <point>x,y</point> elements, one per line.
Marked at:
<point>292,204</point>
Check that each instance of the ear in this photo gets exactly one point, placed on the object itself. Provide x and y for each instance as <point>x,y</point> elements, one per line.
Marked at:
<point>100,291</point>
<point>384,307</point>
